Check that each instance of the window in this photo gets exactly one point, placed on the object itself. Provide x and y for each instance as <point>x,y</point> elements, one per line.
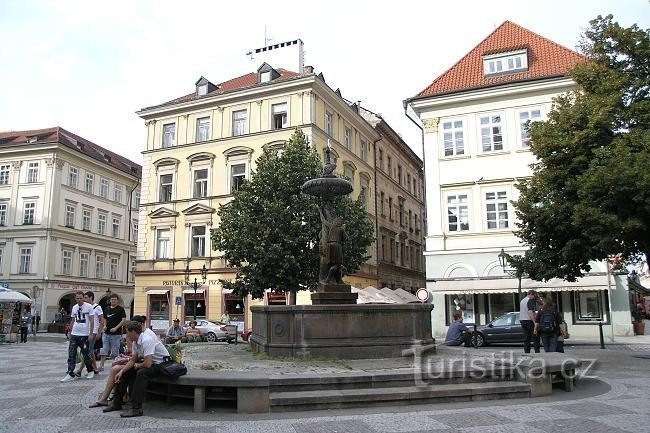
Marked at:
<point>329,123</point>
<point>83,264</point>
<point>198,241</point>
<point>3,214</point>
<point>116,227</point>
<point>237,176</point>
<point>505,63</point>
<point>103,188</point>
<point>70,211</point>
<point>86,219</point>
<point>452,133</point>
<point>166,187</point>
<point>380,159</point>
<point>101,224</point>
<point>491,137</point>
<point>399,174</point>
<point>113,271</point>
<point>265,77</point>
<point>382,206</point>
<point>29,209</point>
<point>201,90</point>
<point>32,172</point>
<point>401,213</point>
<point>497,210</point>
<point>73,175</point>
<point>169,135</point>
<point>279,113</point>
<point>457,212</point>
<point>347,138</point>
<point>90,182</point>
<point>363,195</point>
<point>415,187</point>
<point>390,165</point>
<point>25,260</point>
<point>524,118</point>
<point>136,199</point>
<point>239,120</point>
<point>133,268</point>
<point>200,183</point>
<point>66,267</point>
<point>162,244</point>
<point>348,171</point>
<point>5,169</point>
<point>364,150</point>
<point>99,266</point>
<point>203,129</point>
<point>461,303</point>
<point>134,230</point>
<point>500,304</point>
<point>588,306</point>
<point>390,208</point>
<point>117,192</point>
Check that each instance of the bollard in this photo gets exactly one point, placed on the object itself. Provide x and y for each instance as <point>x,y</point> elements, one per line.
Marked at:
<point>600,332</point>
<point>475,338</point>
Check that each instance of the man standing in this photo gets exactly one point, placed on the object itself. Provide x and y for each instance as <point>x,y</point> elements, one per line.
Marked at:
<point>95,338</point>
<point>527,308</point>
<point>115,317</point>
<point>83,323</point>
<point>137,372</point>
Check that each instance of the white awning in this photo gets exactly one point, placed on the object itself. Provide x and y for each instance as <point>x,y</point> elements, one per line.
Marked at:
<point>157,291</point>
<point>192,291</point>
<point>509,285</point>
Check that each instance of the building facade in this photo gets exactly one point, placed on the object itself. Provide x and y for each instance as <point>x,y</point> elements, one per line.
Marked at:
<point>200,148</point>
<point>68,219</point>
<point>475,117</point>
<point>400,209</point>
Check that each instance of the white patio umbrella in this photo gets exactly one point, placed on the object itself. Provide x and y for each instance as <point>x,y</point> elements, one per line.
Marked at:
<point>7,295</point>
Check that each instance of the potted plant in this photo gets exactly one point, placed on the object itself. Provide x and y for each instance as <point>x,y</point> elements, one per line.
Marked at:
<point>639,325</point>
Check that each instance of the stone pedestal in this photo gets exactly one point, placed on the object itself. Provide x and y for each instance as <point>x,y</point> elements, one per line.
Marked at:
<point>334,294</point>
<point>341,331</point>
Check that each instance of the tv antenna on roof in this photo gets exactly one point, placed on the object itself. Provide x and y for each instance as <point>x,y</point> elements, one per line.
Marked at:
<point>266,41</point>
<point>296,44</point>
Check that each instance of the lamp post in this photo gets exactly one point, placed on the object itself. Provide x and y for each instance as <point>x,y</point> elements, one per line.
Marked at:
<point>204,275</point>
<point>36,292</point>
<point>504,259</point>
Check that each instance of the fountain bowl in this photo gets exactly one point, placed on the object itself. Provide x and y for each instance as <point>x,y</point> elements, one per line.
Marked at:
<point>327,187</point>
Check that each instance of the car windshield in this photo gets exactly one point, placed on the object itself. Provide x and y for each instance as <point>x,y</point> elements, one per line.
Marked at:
<point>504,320</point>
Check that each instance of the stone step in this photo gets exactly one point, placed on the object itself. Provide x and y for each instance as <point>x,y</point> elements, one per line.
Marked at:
<point>344,398</point>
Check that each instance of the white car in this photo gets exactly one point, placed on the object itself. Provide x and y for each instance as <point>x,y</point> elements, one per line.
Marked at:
<point>213,331</point>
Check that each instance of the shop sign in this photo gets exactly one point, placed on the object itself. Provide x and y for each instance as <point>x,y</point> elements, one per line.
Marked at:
<point>74,287</point>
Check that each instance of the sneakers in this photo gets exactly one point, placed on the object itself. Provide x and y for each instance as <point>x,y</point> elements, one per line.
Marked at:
<point>67,378</point>
<point>77,373</point>
<point>90,375</point>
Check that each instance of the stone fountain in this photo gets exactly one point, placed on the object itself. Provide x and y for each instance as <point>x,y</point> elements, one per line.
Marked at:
<point>335,325</point>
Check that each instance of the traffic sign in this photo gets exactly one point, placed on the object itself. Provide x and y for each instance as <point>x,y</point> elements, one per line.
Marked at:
<point>179,300</point>
<point>5,284</point>
<point>422,295</point>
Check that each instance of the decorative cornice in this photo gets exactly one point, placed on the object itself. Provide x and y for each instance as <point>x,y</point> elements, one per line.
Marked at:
<point>431,125</point>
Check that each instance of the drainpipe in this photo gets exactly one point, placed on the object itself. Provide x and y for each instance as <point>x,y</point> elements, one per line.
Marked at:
<point>374,147</point>
<point>48,233</point>
<point>135,241</point>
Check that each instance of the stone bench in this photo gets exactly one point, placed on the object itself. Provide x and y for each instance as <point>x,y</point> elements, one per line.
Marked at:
<point>542,370</point>
<point>250,392</point>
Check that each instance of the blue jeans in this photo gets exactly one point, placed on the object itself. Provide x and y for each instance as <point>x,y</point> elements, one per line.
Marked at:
<point>110,345</point>
<point>78,341</point>
<point>549,340</point>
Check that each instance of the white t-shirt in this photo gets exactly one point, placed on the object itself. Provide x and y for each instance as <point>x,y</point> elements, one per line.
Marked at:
<point>148,345</point>
<point>97,311</point>
<point>81,314</point>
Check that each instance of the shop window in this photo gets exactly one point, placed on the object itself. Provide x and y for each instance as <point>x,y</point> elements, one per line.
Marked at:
<point>235,308</point>
<point>190,301</point>
<point>499,304</point>
<point>589,306</point>
<point>159,307</point>
<point>461,302</point>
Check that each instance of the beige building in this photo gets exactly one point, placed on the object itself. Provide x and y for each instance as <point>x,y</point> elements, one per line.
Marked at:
<point>68,219</point>
<point>202,146</point>
<point>399,181</point>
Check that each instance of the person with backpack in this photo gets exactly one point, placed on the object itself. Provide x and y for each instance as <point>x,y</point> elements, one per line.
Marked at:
<point>547,325</point>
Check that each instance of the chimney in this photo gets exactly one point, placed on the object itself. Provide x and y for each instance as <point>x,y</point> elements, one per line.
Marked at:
<point>308,70</point>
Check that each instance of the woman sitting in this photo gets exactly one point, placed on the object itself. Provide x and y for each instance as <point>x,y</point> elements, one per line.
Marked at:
<point>192,334</point>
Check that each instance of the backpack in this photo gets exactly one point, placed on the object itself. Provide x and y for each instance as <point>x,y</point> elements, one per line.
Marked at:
<point>547,321</point>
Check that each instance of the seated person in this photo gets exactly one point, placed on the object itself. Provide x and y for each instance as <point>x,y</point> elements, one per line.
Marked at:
<point>458,333</point>
<point>175,333</point>
<point>192,334</point>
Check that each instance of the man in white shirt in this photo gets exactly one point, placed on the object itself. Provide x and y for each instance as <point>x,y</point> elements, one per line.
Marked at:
<point>148,352</point>
<point>83,324</point>
<point>527,313</point>
<point>98,329</point>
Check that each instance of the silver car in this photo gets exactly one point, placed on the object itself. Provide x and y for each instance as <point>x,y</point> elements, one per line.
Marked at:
<point>212,331</point>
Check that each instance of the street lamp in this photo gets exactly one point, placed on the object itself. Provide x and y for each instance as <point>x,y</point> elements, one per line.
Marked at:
<point>36,292</point>
<point>204,276</point>
<point>504,259</point>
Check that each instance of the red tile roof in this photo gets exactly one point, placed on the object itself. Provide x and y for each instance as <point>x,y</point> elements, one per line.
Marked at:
<point>239,83</point>
<point>546,59</point>
<point>73,141</point>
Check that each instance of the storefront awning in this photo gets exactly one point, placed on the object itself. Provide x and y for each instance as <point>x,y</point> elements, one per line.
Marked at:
<point>192,291</point>
<point>157,291</point>
<point>509,285</point>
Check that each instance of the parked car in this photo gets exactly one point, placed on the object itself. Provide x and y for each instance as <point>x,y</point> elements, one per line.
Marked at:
<point>503,329</point>
<point>246,333</point>
<point>212,331</point>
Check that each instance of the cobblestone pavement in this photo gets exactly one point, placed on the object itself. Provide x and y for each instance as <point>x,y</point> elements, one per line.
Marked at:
<point>33,400</point>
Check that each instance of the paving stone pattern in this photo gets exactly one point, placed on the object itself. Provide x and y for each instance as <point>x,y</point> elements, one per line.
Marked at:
<point>33,400</point>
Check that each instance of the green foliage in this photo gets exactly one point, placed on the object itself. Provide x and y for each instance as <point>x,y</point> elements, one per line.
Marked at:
<point>589,196</point>
<point>269,231</point>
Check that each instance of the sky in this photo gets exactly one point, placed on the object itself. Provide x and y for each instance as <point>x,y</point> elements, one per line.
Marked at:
<point>88,66</point>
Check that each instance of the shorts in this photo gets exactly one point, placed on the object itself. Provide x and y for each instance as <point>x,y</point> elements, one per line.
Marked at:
<point>111,344</point>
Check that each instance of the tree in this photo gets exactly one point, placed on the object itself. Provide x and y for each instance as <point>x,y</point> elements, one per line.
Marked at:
<point>589,196</point>
<point>269,231</point>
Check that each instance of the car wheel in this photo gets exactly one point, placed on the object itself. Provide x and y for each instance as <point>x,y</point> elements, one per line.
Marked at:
<point>211,337</point>
<point>480,340</point>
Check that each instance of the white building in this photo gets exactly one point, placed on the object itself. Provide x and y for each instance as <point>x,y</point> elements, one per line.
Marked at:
<point>476,149</point>
<point>68,218</point>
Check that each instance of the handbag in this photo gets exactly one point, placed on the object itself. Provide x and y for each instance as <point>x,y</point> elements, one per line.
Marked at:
<point>172,369</point>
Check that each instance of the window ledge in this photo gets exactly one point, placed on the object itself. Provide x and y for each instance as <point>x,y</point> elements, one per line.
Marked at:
<point>454,157</point>
<point>487,154</point>
<point>523,150</point>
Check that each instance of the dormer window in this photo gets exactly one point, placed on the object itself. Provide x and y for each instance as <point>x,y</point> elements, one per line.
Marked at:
<point>202,90</point>
<point>266,73</point>
<point>203,87</point>
<point>265,77</point>
<point>32,139</point>
<point>505,63</point>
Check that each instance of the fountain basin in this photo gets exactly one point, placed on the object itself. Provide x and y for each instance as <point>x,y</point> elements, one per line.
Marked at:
<point>327,187</point>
